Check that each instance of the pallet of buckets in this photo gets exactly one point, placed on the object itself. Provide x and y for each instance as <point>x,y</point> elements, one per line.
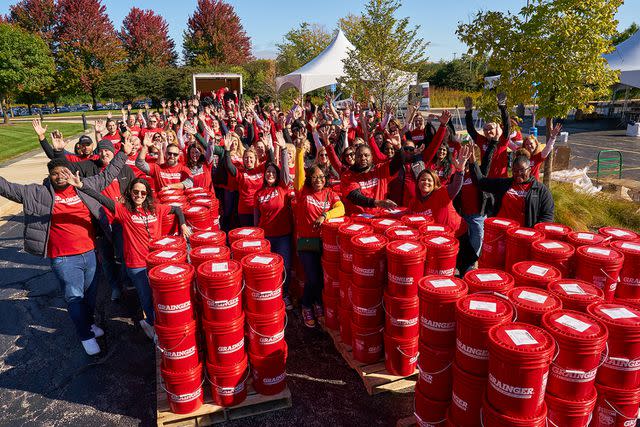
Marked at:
<point>205,302</point>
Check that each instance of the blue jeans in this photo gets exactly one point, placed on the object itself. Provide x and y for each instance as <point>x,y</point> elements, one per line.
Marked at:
<point>140,280</point>
<point>110,253</point>
<point>475,223</point>
<point>78,281</point>
<point>281,245</point>
<point>314,282</point>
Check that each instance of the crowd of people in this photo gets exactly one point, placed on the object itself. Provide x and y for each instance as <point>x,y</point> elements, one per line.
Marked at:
<point>286,171</point>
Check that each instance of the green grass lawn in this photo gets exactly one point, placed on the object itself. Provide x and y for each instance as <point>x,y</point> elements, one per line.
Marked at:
<point>116,113</point>
<point>19,138</point>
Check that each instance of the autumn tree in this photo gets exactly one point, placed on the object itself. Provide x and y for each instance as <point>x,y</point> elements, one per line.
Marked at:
<point>215,35</point>
<point>35,16</point>
<point>145,38</point>
<point>549,53</point>
<point>89,49</point>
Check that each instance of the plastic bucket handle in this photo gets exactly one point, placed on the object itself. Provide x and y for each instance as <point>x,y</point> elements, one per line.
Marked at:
<point>556,425</point>
<point>437,372</point>
<point>482,422</point>
<point>603,358</point>
<point>618,412</point>
<point>173,394</point>
<point>286,321</point>
<point>212,300</point>
<point>246,377</point>
<point>163,350</point>
<point>421,421</point>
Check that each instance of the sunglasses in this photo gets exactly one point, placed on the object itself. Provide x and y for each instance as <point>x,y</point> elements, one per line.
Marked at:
<point>173,154</point>
<point>410,149</point>
<point>138,192</point>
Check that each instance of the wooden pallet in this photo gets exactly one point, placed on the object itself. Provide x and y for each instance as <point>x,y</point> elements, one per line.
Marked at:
<point>407,422</point>
<point>375,376</point>
<point>210,413</point>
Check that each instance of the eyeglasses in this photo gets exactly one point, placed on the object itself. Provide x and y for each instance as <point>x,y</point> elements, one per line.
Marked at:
<point>138,192</point>
<point>409,148</point>
<point>170,154</point>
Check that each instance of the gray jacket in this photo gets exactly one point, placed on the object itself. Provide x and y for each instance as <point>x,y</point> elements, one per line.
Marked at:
<point>37,203</point>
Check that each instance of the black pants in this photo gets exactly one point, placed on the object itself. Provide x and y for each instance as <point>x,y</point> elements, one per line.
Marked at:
<point>466,255</point>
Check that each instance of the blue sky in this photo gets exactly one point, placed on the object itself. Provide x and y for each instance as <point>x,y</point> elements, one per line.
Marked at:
<point>266,23</point>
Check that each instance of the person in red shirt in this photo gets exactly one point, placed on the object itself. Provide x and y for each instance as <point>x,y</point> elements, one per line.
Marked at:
<point>108,131</point>
<point>170,174</point>
<point>200,165</point>
<point>152,127</point>
<point>531,148</point>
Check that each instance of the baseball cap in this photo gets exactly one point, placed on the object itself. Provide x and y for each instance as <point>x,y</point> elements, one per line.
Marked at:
<point>85,140</point>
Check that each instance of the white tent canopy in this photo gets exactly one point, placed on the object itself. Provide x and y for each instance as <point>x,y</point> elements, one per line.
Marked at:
<point>626,58</point>
<point>321,71</point>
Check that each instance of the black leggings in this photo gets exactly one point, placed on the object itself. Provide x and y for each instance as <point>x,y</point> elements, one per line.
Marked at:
<point>466,255</point>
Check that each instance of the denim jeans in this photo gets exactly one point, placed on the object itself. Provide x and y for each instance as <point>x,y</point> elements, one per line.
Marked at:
<point>78,281</point>
<point>140,280</point>
<point>475,223</point>
<point>281,245</point>
<point>110,254</point>
<point>314,282</point>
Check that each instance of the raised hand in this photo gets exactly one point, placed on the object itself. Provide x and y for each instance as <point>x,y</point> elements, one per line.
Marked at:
<point>148,140</point>
<point>127,145</point>
<point>73,180</point>
<point>57,140</point>
<point>129,106</point>
<point>280,141</point>
<point>182,117</point>
<point>163,104</point>
<point>556,130</point>
<point>324,133</point>
<point>396,140</point>
<point>100,126</point>
<point>40,130</point>
<point>468,103</point>
<point>228,141</point>
<point>445,117</point>
<point>460,160</point>
<point>502,98</point>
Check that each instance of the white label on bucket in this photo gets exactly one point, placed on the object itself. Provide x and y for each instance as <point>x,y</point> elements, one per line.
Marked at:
<point>551,245</point>
<point>387,222</point>
<point>262,260</point>
<point>220,266</point>
<point>521,337</point>
<point>488,277</point>
<point>585,236</point>
<point>553,227</point>
<point>524,232</point>
<point>573,323</point>
<point>630,246</point>
<point>208,234</point>
<point>245,232</point>
<point>435,228</point>
<point>210,250</point>
<point>415,218</point>
<point>439,240</point>
<point>172,269</point>
<point>572,289</point>
<point>482,306</point>
<point>251,244</point>
<point>619,313</point>
<point>599,251</point>
<point>501,222</point>
<point>406,247</point>
<point>194,209</point>
<point>405,232</point>
<point>167,254</point>
<point>355,227</point>
<point>537,270</point>
<point>532,296</point>
<point>442,283</point>
<point>618,233</point>
<point>164,241</point>
<point>372,239</point>
<point>334,220</point>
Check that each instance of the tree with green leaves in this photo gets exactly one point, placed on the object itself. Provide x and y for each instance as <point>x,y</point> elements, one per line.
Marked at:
<point>549,54</point>
<point>621,36</point>
<point>386,49</point>
<point>300,45</point>
<point>26,65</point>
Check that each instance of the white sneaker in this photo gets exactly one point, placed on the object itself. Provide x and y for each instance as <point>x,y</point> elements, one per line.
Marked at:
<point>97,331</point>
<point>91,346</point>
<point>149,330</point>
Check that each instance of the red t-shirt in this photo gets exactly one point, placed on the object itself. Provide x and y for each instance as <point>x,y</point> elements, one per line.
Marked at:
<point>469,196</point>
<point>144,131</point>
<point>131,162</point>
<point>203,177</point>
<point>115,140</point>
<point>417,136</point>
<point>275,211</point>
<point>371,184</point>
<point>536,163</point>
<point>512,206</point>
<point>76,158</point>
<point>70,230</point>
<point>135,130</point>
<point>249,182</point>
<point>498,168</point>
<point>138,229</point>
<point>440,206</point>
<point>113,192</point>
<point>309,206</point>
<point>164,174</point>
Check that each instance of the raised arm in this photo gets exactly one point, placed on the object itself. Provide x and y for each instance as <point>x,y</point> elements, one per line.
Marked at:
<point>298,181</point>
<point>431,149</point>
<point>551,142</point>
<point>227,156</point>
<point>102,180</point>
<point>468,118</point>
<point>141,162</point>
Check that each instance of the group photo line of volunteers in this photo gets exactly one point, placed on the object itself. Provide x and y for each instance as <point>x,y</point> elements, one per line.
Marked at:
<point>396,232</point>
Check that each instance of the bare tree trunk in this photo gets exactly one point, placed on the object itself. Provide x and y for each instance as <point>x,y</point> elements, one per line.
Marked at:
<point>548,164</point>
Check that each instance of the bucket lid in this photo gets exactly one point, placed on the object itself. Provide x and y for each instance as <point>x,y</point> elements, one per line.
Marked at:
<point>168,242</point>
<point>163,256</point>
<point>616,233</point>
<point>534,270</point>
<point>402,232</point>
<point>600,253</point>
<point>172,272</point>
<point>575,290</point>
<point>534,299</point>
<point>250,244</point>
<point>521,338</point>
<point>489,279</point>
<point>363,218</point>
<point>501,223</point>
<point>245,233</point>
<point>381,224</point>
<point>196,210</point>
<point>525,233</point>
<point>405,248</point>
<point>616,315</point>
<point>209,236</point>
<point>553,228</point>
<point>262,262</point>
<point>626,247</point>
<point>204,201</point>
<point>438,287</point>
<point>368,242</point>
<point>584,238</point>
<point>353,229</point>
<point>483,307</point>
<point>633,302</point>
<point>335,223</point>
<point>574,325</point>
<point>439,241</point>
<point>171,191</point>
<point>553,247</point>
<point>193,190</point>
<point>210,252</point>
<point>436,228</point>
<point>198,195</point>
<point>174,198</point>
<point>218,269</point>
<point>394,212</point>
<point>416,220</point>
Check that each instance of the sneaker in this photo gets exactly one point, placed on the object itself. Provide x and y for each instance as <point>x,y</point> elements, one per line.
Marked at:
<point>149,330</point>
<point>91,346</point>
<point>287,303</point>
<point>318,311</point>
<point>307,316</point>
<point>97,331</point>
<point>116,294</point>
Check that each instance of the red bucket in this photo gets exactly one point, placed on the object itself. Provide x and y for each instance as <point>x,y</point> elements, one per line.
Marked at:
<point>441,255</point>
<point>401,316</point>
<point>168,242</point>
<point>581,339</point>
<point>493,418</point>
<point>416,221</point>
<point>198,218</point>
<point>435,379</point>
<point>366,343</point>
<point>229,383</point>
<point>245,233</point>
<point>269,372</point>
<point>345,232</point>
<point>329,234</point>
<point>601,266</point>
<point>615,233</point>
<point>494,242</point>
<point>534,274</point>
<point>171,192</point>
<point>243,247</point>
<point>616,407</point>
<point>366,304</point>
<point>402,232</point>
<point>438,297</point>
<point>475,315</point>
<point>171,288</point>
<point>433,228</point>
<point>466,397</point>
<point>621,369</point>
<point>331,283</point>
<point>582,238</point>
<point>532,303</point>
<point>575,294</point>
<point>430,413</point>
<point>178,346</point>
<point>225,341</point>
<point>344,319</point>
<point>488,280</point>
<point>570,412</point>
<point>266,331</point>
<point>555,252</point>
<point>263,278</point>
<point>518,392</point>
<point>363,218</point>
<point>553,230</point>
<point>629,285</point>
<point>380,225</point>
<point>345,289</point>
<point>405,266</point>
<point>220,285</point>
<point>400,355</point>
<point>208,238</point>
<point>184,389</point>
<point>518,245</point>
<point>369,263</point>
<point>169,224</point>
<point>331,304</point>
<point>173,198</point>
<point>193,190</point>
<point>200,254</point>
<point>396,213</point>
<point>166,256</point>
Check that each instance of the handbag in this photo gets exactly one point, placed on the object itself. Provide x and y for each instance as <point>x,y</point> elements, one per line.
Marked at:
<point>311,244</point>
